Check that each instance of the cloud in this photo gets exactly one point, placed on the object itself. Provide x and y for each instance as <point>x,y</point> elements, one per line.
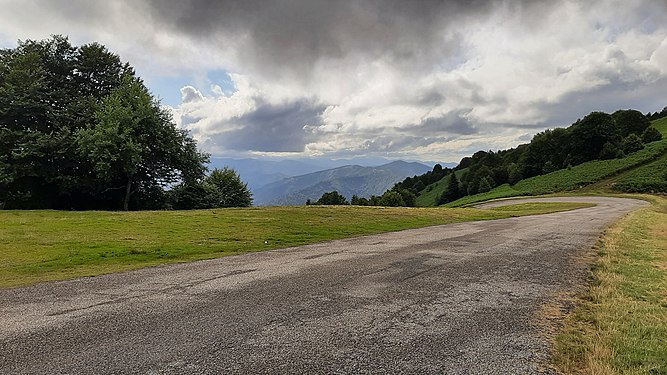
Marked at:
<point>419,79</point>
<point>190,94</point>
<point>273,128</point>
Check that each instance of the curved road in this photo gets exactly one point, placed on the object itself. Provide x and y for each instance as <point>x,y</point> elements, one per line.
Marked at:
<point>458,299</point>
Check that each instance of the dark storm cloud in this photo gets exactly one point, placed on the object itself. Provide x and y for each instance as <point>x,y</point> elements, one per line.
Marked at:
<point>78,9</point>
<point>607,98</point>
<point>288,36</point>
<point>273,128</point>
<point>451,123</point>
<point>382,53</point>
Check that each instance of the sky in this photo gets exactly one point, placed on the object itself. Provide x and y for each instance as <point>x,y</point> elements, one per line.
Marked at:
<point>396,79</point>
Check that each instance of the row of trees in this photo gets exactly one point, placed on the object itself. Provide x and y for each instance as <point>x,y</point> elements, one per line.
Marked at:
<point>657,114</point>
<point>79,130</point>
<point>394,197</point>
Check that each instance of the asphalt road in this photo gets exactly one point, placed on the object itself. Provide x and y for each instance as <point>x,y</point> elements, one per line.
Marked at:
<point>457,299</point>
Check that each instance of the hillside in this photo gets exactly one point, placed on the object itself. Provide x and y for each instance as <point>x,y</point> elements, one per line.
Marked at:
<point>347,180</point>
<point>430,195</point>
<point>257,173</point>
<point>642,171</point>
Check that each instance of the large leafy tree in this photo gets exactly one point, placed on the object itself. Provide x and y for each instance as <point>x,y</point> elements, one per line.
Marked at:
<point>230,191</point>
<point>222,188</point>
<point>630,121</point>
<point>78,129</point>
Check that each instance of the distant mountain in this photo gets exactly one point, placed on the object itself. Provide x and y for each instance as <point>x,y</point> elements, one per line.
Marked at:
<point>347,180</point>
<point>257,173</point>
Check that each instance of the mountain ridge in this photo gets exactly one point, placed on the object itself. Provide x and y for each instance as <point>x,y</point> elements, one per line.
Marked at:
<point>348,180</point>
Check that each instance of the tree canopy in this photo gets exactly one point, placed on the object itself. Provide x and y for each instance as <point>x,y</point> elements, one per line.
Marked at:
<point>78,129</point>
<point>332,198</point>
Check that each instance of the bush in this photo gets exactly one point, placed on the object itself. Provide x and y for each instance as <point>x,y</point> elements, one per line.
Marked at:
<point>392,198</point>
<point>632,143</point>
<point>610,151</point>
<point>332,198</point>
<point>651,134</point>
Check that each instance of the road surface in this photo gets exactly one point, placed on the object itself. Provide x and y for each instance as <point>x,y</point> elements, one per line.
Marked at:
<point>457,299</point>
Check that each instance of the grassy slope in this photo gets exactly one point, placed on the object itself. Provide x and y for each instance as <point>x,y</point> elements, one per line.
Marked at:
<point>647,178</point>
<point>651,177</point>
<point>430,195</point>
<point>661,125</point>
<point>619,325</point>
<point>51,245</point>
<point>593,172</point>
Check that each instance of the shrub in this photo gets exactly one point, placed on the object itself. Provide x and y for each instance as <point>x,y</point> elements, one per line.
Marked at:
<point>651,134</point>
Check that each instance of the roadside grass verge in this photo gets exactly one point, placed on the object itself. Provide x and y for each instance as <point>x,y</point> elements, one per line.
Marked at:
<point>619,324</point>
<point>38,246</point>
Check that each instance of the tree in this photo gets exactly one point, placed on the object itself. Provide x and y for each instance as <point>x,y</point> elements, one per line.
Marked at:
<point>356,201</point>
<point>418,186</point>
<point>78,129</point>
<point>391,198</point>
<point>632,143</point>
<point>222,188</point>
<point>549,167</point>
<point>651,134</point>
<point>452,191</point>
<point>485,184</point>
<point>230,191</point>
<point>193,196</point>
<point>630,121</point>
<point>513,173</point>
<point>332,198</point>
<point>588,136</point>
<point>110,144</point>
<point>134,141</point>
<point>610,151</point>
<point>409,198</point>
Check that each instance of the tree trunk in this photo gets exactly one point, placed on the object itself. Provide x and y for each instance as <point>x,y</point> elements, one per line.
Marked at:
<point>128,191</point>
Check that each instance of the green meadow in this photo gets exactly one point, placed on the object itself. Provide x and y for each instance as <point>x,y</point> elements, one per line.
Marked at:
<point>48,245</point>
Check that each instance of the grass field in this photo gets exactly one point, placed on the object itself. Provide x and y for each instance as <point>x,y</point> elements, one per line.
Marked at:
<point>54,245</point>
<point>620,323</point>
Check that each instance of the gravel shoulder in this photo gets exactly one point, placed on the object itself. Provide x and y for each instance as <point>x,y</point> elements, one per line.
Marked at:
<point>458,299</point>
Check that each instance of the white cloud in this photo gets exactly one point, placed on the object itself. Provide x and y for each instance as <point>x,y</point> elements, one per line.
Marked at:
<point>400,80</point>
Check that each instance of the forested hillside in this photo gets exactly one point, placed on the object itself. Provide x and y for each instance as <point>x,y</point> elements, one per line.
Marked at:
<point>591,149</point>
